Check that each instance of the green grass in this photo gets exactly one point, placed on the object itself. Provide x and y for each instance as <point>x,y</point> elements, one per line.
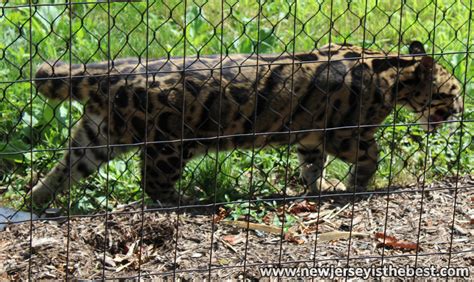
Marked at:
<point>29,122</point>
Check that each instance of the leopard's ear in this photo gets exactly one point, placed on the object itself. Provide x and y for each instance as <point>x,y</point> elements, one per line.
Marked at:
<point>427,62</point>
<point>425,69</point>
<point>416,47</point>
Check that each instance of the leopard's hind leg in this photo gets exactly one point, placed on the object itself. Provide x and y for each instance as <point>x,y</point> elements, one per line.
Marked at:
<point>363,155</point>
<point>164,165</point>
<point>88,151</point>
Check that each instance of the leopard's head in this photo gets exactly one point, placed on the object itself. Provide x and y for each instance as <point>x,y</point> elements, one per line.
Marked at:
<point>437,96</point>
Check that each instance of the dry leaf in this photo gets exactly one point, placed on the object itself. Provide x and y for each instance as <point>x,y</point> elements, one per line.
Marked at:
<point>388,238</point>
<point>268,218</point>
<point>303,206</point>
<point>310,229</point>
<point>232,239</point>
<point>394,243</point>
<point>223,261</point>
<point>221,214</point>
<point>290,237</point>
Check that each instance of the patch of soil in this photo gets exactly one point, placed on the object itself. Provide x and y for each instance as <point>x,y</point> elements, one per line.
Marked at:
<point>433,227</point>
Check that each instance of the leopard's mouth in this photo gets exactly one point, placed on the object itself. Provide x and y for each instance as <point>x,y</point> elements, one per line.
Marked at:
<point>437,119</point>
<point>432,122</point>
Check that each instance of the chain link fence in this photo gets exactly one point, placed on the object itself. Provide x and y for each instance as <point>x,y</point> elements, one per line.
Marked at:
<point>241,202</point>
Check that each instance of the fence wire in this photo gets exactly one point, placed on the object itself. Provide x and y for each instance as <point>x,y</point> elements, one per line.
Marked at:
<point>181,133</point>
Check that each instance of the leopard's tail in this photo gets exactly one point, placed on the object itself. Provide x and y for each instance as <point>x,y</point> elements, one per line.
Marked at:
<point>59,81</point>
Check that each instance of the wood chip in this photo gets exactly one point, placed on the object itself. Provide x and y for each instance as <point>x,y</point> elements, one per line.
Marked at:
<point>43,242</point>
<point>254,226</point>
<point>338,235</point>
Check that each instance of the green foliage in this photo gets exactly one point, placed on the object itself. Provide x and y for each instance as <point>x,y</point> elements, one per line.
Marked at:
<point>33,130</point>
<point>257,211</point>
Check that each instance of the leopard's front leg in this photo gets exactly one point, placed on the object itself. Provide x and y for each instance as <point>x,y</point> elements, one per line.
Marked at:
<point>312,160</point>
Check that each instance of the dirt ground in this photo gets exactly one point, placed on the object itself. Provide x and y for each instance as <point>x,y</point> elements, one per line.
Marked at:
<point>419,230</point>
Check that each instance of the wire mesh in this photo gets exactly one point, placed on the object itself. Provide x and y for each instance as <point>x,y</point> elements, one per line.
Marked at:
<point>173,137</point>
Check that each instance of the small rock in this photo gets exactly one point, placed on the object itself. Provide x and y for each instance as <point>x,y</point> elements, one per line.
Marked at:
<point>52,212</point>
<point>43,242</point>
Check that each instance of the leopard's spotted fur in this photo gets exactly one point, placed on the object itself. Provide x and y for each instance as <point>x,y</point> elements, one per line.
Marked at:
<point>311,94</point>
